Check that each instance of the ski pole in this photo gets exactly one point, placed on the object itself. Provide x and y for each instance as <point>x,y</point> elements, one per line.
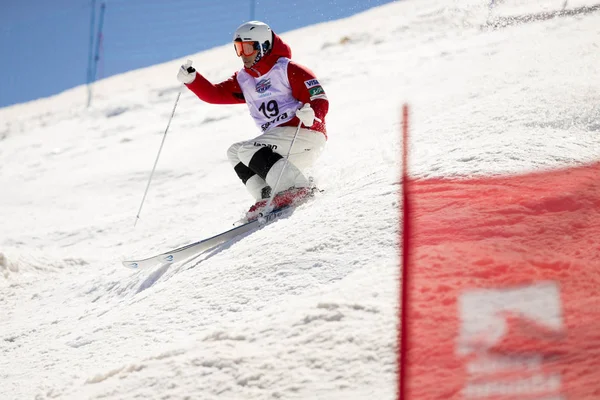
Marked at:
<point>159,150</point>
<point>273,192</point>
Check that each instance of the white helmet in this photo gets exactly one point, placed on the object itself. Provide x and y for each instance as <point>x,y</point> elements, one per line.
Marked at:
<point>255,31</point>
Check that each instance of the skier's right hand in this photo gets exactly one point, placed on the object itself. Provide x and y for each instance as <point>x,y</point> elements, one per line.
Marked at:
<point>186,73</point>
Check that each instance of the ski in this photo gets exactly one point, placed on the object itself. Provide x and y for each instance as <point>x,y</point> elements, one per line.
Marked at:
<point>197,248</point>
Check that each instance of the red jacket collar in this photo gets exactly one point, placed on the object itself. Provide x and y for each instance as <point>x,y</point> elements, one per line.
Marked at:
<point>264,65</point>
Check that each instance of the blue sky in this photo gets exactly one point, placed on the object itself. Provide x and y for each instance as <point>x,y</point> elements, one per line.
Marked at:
<point>44,45</point>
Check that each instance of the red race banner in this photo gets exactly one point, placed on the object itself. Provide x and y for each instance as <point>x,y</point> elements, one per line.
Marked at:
<point>501,286</point>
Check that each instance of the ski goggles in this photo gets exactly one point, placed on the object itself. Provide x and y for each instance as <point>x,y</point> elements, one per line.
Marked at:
<point>245,48</point>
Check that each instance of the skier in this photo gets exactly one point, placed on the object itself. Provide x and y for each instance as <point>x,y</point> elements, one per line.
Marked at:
<point>280,95</point>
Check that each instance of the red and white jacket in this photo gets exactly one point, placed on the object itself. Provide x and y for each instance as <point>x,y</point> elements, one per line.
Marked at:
<point>303,85</point>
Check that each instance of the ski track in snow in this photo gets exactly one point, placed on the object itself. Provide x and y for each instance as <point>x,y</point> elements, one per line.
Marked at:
<point>306,307</point>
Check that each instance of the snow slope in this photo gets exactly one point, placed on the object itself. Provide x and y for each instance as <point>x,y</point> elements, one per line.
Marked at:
<point>305,308</point>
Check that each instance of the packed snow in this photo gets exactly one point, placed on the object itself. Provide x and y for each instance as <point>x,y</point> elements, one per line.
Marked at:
<point>305,308</point>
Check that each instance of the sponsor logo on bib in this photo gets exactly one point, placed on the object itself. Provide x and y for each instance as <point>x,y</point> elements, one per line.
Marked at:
<point>263,85</point>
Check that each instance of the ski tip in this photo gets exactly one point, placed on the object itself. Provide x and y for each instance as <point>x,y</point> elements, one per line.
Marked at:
<point>131,264</point>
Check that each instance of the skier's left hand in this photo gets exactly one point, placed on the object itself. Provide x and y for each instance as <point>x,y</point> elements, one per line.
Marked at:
<point>306,114</point>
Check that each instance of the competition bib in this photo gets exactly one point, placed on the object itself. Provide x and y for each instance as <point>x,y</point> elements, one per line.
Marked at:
<point>269,97</point>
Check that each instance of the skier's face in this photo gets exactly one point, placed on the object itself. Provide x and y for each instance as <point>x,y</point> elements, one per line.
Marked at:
<point>248,51</point>
<point>249,60</point>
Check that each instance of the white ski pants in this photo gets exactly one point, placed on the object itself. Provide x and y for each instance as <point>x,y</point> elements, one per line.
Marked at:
<point>259,161</point>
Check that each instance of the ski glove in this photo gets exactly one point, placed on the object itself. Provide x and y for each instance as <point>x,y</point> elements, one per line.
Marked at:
<point>306,114</point>
<point>186,73</point>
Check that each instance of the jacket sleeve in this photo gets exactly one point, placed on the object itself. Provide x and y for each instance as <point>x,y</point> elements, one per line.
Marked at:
<point>226,92</point>
<point>307,88</point>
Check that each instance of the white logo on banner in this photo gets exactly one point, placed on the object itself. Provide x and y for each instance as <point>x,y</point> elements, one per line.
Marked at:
<point>484,315</point>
